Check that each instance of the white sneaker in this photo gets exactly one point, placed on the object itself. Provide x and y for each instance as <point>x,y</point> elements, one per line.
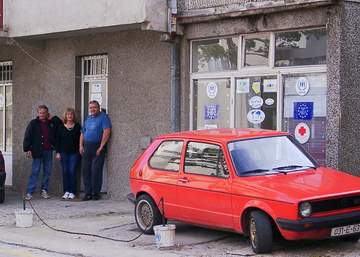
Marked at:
<point>44,194</point>
<point>66,195</point>
<point>28,197</point>
<point>71,196</point>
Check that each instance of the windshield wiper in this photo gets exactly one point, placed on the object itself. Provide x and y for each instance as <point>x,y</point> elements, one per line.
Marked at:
<point>253,171</point>
<point>291,167</point>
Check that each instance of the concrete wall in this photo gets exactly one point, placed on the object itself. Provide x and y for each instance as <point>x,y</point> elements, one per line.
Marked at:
<point>139,94</point>
<point>28,18</point>
<point>349,58</point>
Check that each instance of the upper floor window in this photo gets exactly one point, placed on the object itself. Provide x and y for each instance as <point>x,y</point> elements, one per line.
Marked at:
<point>205,159</point>
<point>295,48</point>
<point>215,55</point>
<point>256,51</point>
<point>167,156</point>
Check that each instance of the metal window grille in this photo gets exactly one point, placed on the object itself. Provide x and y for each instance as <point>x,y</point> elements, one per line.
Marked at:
<point>5,72</point>
<point>95,65</point>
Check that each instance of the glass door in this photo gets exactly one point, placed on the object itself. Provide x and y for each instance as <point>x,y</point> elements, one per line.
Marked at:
<point>256,102</point>
<point>211,103</point>
<point>304,113</point>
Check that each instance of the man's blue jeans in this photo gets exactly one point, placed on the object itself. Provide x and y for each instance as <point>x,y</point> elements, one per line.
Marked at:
<point>68,165</point>
<point>46,162</point>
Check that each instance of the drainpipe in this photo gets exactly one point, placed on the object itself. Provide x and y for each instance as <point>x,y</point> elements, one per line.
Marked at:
<point>175,66</point>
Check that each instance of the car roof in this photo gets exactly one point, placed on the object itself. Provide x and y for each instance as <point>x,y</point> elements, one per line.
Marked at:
<point>223,134</point>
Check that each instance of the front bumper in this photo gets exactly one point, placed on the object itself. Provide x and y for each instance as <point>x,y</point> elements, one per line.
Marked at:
<point>308,224</point>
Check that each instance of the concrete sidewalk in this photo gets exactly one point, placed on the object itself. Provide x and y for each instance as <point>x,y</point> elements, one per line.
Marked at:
<point>115,219</point>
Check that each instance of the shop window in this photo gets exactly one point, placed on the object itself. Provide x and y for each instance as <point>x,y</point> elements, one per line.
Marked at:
<point>305,111</point>
<point>256,102</point>
<point>167,156</point>
<point>214,55</point>
<point>295,48</point>
<point>211,103</point>
<point>256,51</point>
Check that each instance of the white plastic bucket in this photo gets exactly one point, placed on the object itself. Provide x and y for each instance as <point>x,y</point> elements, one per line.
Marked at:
<point>24,218</point>
<point>164,235</point>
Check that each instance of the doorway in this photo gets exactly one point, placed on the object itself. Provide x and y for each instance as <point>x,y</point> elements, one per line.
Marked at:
<point>94,86</point>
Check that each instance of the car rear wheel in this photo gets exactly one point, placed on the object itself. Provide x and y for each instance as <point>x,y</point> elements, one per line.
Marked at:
<point>147,214</point>
<point>260,231</point>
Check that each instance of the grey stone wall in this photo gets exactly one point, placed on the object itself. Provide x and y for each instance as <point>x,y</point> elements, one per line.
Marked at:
<point>349,150</point>
<point>138,89</point>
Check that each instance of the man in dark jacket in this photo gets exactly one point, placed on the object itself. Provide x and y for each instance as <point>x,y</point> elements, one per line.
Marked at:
<point>38,144</point>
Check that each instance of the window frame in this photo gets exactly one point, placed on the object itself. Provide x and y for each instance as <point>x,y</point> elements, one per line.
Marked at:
<point>4,85</point>
<point>250,71</point>
<point>208,143</point>
<point>157,148</point>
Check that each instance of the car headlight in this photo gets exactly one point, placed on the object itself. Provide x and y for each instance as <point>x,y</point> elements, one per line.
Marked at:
<point>305,209</point>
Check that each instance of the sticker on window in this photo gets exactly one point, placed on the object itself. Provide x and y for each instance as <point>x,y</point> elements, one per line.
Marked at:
<point>269,85</point>
<point>302,133</point>
<point>256,87</point>
<point>302,86</point>
<point>256,116</point>
<point>211,112</point>
<point>212,90</point>
<point>303,110</point>
<point>242,86</point>
<point>256,102</point>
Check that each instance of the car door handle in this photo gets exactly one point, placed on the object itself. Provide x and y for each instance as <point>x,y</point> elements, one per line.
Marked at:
<point>184,180</point>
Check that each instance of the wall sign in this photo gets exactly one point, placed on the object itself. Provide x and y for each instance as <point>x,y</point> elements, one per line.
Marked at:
<point>303,110</point>
<point>302,133</point>
<point>242,86</point>
<point>212,90</point>
<point>256,116</point>
<point>256,102</point>
<point>211,112</point>
<point>302,86</point>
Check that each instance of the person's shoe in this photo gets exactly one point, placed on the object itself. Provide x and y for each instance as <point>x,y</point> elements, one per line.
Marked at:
<point>87,197</point>
<point>96,197</point>
<point>44,194</point>
<point>66,195</point>
<point>71,196</point>
<point>28,197</point>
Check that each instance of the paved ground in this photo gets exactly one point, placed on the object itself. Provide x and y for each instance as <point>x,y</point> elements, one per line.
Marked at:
<point>115,219</point>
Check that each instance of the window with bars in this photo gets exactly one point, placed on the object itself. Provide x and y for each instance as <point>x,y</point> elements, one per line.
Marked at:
<point>95,65</point>
<point>6,106</point>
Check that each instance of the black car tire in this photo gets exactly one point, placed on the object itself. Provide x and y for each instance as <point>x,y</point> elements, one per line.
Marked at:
<point>147,214</point>
<point>2,195</point>
<point>260,232</point>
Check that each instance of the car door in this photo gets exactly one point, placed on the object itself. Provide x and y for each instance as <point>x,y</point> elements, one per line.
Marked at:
<point>204,186</point>
<point>161,175</point>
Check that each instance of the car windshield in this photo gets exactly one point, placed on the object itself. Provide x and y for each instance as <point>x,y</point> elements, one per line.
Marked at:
<point>268,155</point>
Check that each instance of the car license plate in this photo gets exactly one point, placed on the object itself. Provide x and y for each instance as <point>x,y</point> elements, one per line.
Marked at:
<point>345,230</point>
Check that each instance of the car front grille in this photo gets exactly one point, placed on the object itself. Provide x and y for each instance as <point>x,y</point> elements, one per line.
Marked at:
<point>336,204</point>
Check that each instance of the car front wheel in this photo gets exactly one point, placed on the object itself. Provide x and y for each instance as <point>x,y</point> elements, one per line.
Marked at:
<point>147,214</point>
<point>260,231</point>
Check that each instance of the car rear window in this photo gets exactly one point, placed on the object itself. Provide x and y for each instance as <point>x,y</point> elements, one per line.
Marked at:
<point>167,156</point>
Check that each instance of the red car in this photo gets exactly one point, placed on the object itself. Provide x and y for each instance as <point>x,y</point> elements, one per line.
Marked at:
<point>254,182</point>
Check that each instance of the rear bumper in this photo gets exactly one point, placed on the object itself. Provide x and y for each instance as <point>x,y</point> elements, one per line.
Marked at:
<point>308,224</point>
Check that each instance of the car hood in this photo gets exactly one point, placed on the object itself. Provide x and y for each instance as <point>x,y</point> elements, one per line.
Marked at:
<point>298,185</point>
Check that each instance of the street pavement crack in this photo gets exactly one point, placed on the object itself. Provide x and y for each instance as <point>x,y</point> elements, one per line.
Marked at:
<point>42,249</point>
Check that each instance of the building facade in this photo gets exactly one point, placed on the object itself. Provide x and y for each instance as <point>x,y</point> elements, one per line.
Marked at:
<point>159,66</point>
